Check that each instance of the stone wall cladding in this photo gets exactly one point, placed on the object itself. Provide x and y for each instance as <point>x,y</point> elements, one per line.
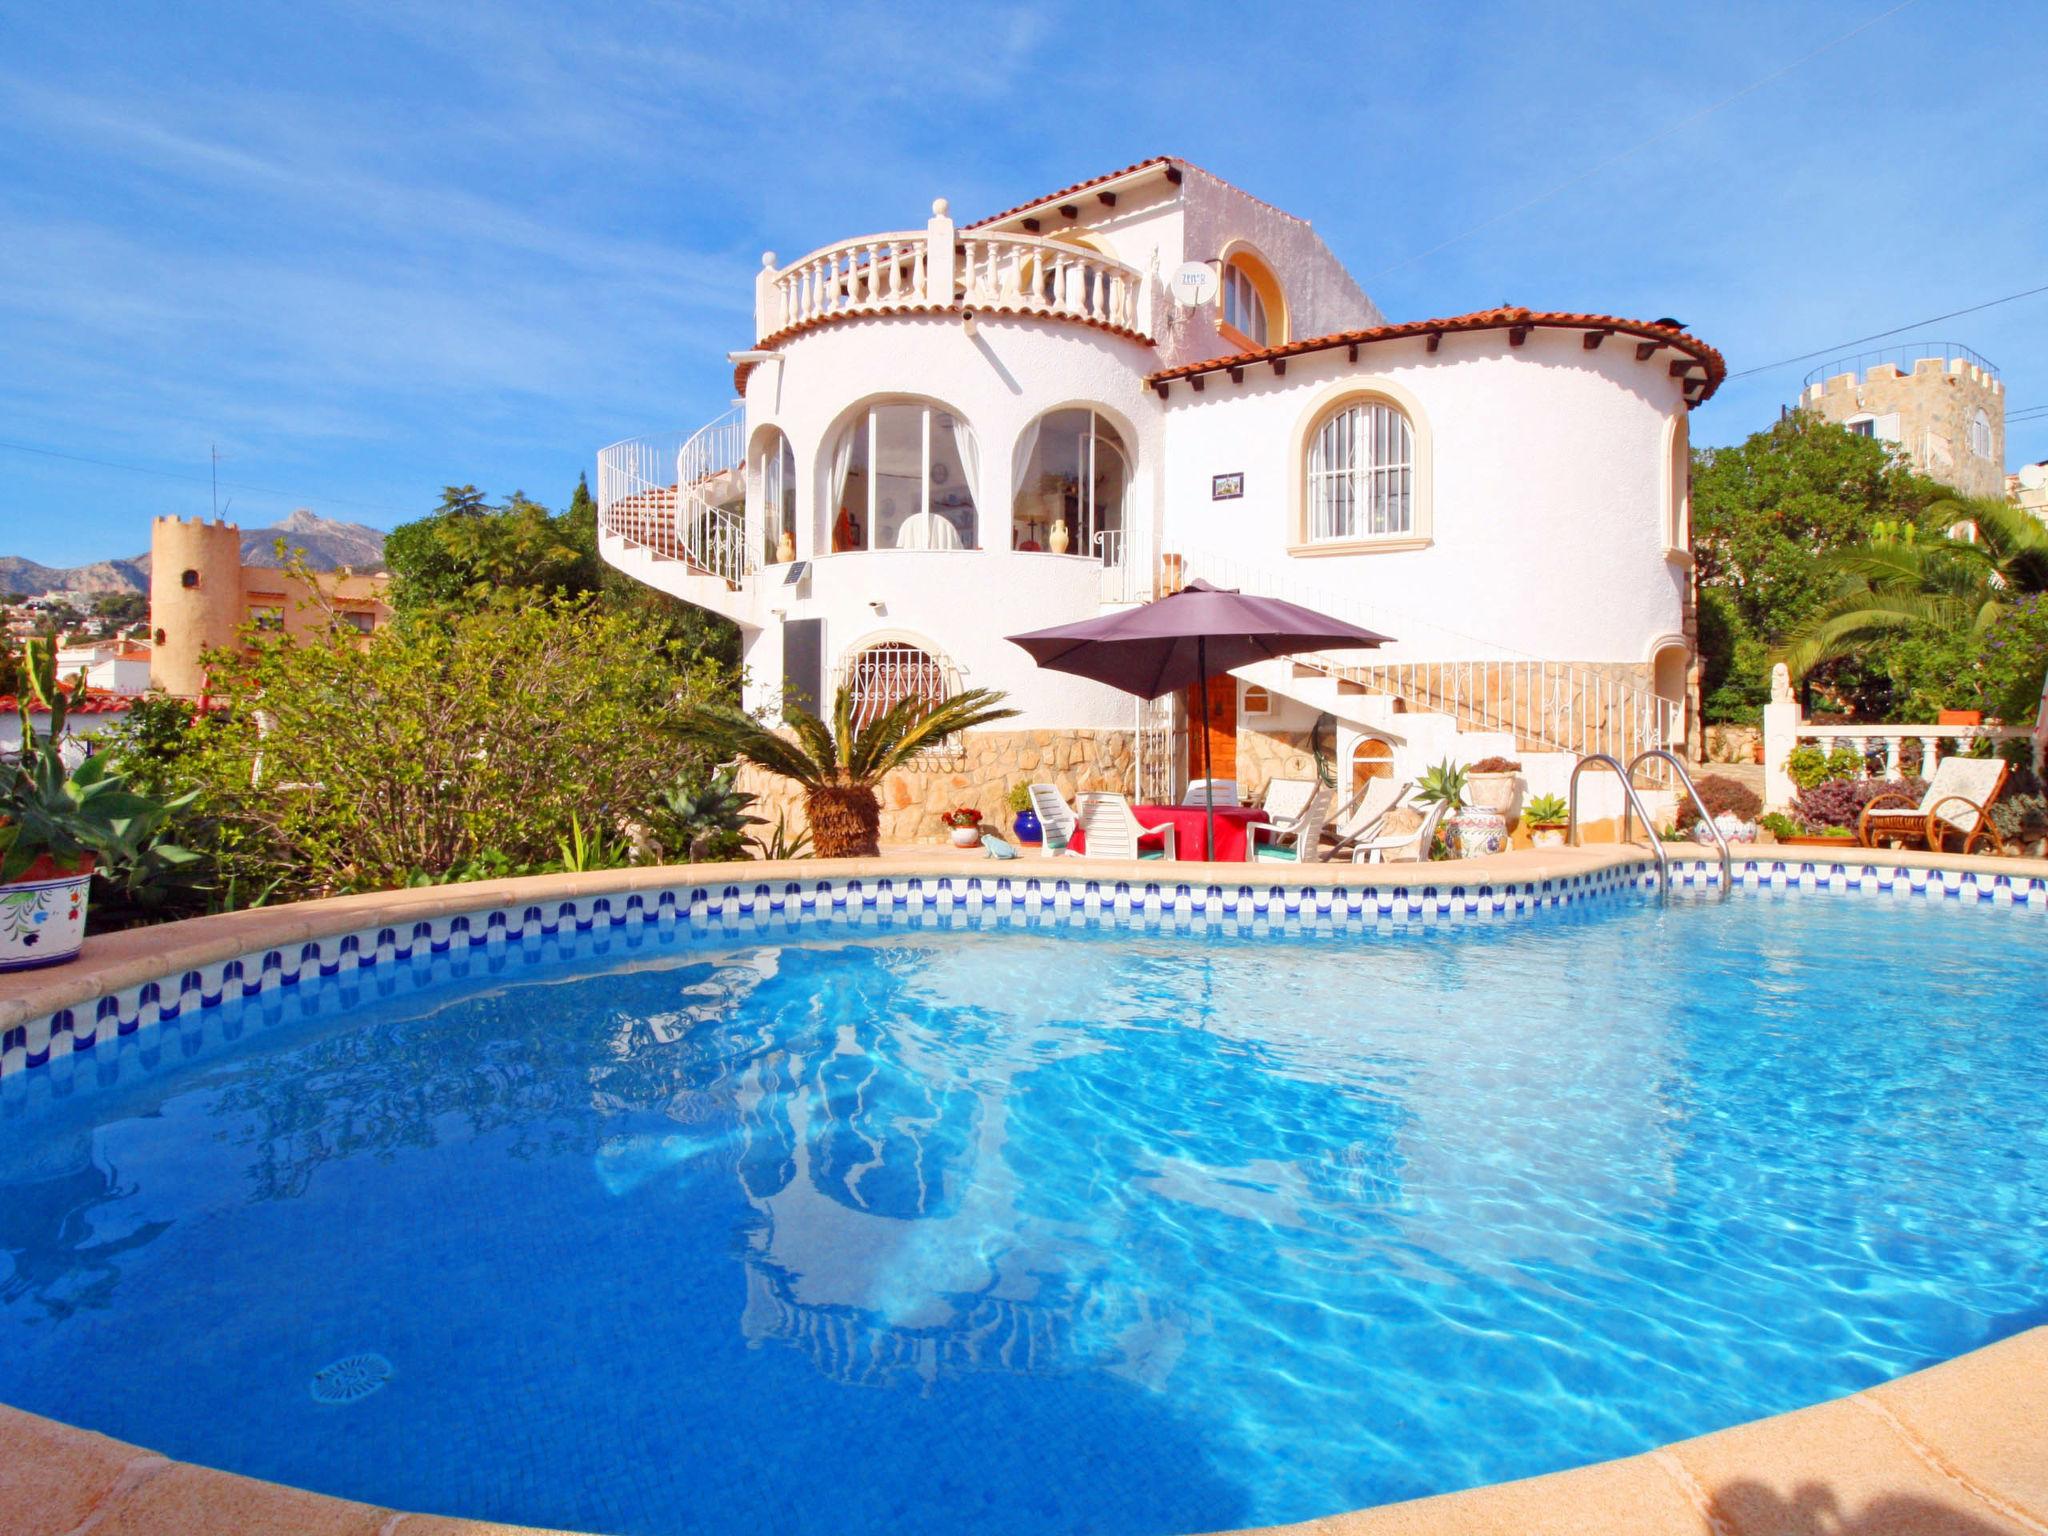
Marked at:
<point>1934,404</point>
<point>979,774</point>
<point>1263,756</point>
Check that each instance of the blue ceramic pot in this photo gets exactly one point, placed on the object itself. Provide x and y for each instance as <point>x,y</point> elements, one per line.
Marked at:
<point>1027,828</point>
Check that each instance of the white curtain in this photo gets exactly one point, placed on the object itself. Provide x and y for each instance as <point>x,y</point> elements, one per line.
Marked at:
<point>1027,448</point>
<point>842,461</point>
<point>970,468</point>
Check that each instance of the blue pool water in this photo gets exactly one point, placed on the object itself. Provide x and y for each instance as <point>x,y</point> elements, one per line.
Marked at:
<point>1033,1230</point>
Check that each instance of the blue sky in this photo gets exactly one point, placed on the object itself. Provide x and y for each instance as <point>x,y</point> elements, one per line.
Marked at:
<point>371,249</point>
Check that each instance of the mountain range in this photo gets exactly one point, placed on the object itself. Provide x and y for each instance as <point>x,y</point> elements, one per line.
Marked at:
<point>324,543</point>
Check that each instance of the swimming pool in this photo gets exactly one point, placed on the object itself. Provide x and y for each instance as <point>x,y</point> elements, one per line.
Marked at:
<point>1035,1225</point>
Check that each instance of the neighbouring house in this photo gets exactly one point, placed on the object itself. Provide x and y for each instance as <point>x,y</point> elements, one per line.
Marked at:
<point>1938,403</point>
<point>88,715</point>
<point>964,431</point>
<point>2027,487</point>
<point>115,666</point>
<point>203,598</point>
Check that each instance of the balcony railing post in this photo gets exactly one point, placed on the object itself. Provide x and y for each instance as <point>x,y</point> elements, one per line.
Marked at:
<point>938,260</point>
<point>767,298</point>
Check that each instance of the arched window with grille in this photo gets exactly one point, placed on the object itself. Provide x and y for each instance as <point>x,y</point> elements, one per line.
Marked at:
<point>886,672</point>
<point>1361,474</point>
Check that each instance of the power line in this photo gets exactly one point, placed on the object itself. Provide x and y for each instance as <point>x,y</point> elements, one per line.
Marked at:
<point>2026,293</point>
<point>1662,134</point>
<point>239,485</point>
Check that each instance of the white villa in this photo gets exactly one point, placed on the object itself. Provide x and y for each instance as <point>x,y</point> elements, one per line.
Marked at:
<point>951,434</point>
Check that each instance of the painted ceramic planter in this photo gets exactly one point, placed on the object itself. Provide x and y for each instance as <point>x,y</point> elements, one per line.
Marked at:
<point>1477,831</point>
<point>42,916</point>
<point>1733,827</point>
<point>1549,835</point>
<point>1027,828</point>
<point>966,837</point>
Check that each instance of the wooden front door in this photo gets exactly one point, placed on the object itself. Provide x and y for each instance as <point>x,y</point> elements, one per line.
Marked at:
<point>1222,729</point>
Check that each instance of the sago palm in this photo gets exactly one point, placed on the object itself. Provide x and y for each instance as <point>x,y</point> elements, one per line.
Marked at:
<point>1897,584</point>
<point>838,766</point>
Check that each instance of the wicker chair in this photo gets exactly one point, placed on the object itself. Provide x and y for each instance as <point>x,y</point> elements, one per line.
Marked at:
<point>1952,810</point>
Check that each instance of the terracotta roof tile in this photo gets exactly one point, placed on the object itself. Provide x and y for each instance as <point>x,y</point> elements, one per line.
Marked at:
<point>1716,368</point>
<point>96,701</point>
<point>1067,192</point>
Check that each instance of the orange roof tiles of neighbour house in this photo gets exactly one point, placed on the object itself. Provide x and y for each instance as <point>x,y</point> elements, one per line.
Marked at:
<point>1077,187</point>
<point>1651,337</point>
<point>96,701</point>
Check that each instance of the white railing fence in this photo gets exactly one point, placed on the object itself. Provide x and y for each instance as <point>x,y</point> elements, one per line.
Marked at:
<point>941,267</point>
<point>1546,705</point>
<point>684,498</point>
<point>1888,751</point>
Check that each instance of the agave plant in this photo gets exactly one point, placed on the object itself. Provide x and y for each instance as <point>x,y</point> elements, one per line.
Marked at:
<point>698,822</point>
<point>70,816</point>
<point>838,766</point>
<point>1442,785</point>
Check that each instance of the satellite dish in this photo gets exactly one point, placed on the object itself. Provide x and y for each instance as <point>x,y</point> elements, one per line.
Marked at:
<point>1194,284</point>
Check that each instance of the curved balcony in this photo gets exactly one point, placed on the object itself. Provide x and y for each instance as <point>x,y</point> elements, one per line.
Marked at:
<point>939,267</point>
<point>681,498</point>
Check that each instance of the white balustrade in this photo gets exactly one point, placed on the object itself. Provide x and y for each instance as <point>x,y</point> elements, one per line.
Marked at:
<point>1786,729</point>
<point>943,268</point>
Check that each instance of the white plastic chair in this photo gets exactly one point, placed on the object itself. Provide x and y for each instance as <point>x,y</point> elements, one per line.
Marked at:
<point>1362,819</point>
<point>1225,791</point>
<point>1055,819</point>
<point>1288,798</point>
<point>1299,841</point>
<point>1113,831</point>
<point>1403,847</point>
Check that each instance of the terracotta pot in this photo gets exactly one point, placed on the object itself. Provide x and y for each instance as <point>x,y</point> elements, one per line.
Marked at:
<point>42,915</point>
<point>1059,540</point>
<point>1494,792</point>
<point>785,548</point>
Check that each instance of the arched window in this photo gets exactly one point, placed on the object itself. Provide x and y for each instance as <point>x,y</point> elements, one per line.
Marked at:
<point>1073,467</point>
<point>1361,474</point>
<point>1254,701</point>
<point>905,476</point>
<point>886,673</point>
<point>778,494</point>
<point>1371,759</point>
<point>1251,307</point>
<point>1980,434</point>
<point>1678,488</point>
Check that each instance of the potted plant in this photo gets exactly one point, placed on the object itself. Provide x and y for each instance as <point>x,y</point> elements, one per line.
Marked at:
<point>1472,832</point>
<point>1733,806</point>
<point>57,823</point>
<point>965,821</point>
<point>1025,824</point>
<point>1492,784</point>
<point>1547,818</point>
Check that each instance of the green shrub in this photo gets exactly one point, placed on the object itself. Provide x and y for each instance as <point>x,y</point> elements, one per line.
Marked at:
<point>490,740</point>
<point>1810,765</point>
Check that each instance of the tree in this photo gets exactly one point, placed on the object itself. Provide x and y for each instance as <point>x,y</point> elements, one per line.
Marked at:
<point>1763,512</point>
<point>839,766</point>
<point>1948,595</point>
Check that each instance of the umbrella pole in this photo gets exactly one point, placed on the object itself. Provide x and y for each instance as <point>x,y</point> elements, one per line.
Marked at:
<point>1208,778</point>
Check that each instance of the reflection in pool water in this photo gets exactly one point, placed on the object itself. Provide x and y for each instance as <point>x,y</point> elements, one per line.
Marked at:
<point>1037,1231</point>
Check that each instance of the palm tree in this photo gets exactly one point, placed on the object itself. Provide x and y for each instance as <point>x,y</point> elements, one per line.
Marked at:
<point>1993,553</point>
<point>839,766</point>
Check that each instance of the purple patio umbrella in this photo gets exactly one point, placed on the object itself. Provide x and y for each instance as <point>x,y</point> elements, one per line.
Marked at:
<point>1164,645</point>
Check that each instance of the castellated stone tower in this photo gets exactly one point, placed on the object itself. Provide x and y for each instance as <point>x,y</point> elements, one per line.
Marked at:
<point>1940,404</point>
<point>195,598</point>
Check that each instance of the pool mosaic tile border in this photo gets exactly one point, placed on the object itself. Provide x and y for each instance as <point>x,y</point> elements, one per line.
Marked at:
<point>737,911</point>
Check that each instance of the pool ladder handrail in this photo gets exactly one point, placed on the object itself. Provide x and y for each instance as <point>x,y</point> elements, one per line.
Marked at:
<point>1693,794</point>
<point>1633,806</point>
<point>1634,801</point>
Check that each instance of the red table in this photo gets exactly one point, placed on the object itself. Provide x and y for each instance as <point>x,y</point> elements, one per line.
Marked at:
<point>1191,831</point>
